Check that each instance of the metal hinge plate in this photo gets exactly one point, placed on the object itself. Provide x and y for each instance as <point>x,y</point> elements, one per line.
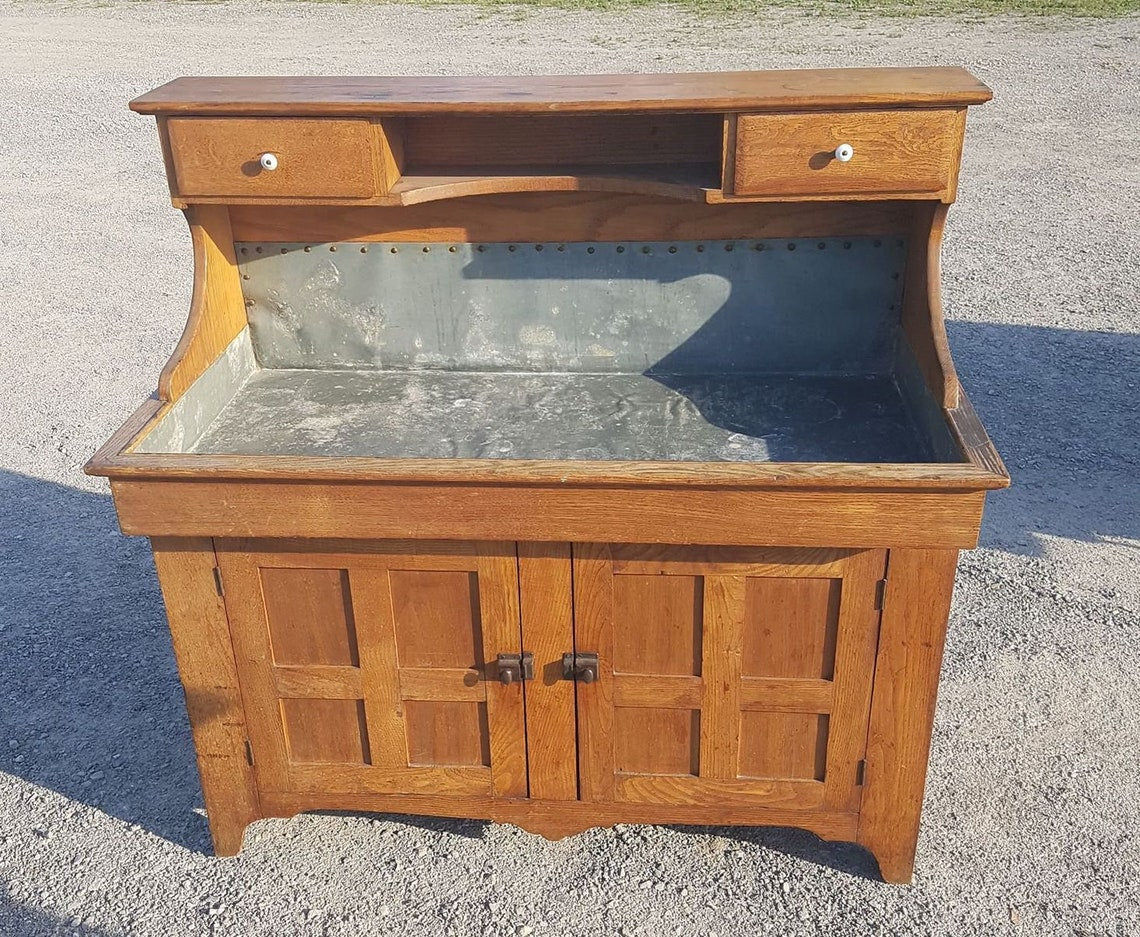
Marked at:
<point>218,581</point>
<point>880,594</point>
<point>860,771</point>
<point>249,753</point>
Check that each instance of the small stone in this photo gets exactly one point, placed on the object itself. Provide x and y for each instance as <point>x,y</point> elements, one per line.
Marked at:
<point>96,775</point>
<point>385,910</point>
<point>13,743</point>
<point>787,887</point>
<point>524,930</point>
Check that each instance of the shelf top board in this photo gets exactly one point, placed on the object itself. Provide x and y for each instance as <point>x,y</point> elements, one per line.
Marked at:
<point>800,89</point>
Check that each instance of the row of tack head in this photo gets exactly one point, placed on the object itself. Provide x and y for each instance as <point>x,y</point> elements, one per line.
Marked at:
<point>513,248</point>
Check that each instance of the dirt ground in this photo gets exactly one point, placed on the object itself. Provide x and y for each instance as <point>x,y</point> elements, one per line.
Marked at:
<point>1032,821</point>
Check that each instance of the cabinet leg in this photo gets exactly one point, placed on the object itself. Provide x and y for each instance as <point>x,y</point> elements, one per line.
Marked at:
<point>227,831</point>
<point>911,639</point>
<point>200,632</point>
<point>894,856</point>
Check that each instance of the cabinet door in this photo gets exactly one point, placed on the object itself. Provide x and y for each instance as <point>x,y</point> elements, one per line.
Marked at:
<point>726,676</point>
<point>371,668</point>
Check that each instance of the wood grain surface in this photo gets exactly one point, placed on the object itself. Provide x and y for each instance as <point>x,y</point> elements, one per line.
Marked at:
<point>920,584</point>
<point>203,649</point>
<point>895,151</point>
<point>712,91</point>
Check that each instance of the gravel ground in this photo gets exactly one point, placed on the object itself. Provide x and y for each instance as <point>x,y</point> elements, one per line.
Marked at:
<point>1033,803</point>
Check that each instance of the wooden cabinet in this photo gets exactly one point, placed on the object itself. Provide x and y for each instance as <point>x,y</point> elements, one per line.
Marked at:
<point>563,452</point>
<point>722,676</point>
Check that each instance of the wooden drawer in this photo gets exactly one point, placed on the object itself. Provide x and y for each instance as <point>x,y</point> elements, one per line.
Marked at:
<point>316,158</point>
<point>894,153</point>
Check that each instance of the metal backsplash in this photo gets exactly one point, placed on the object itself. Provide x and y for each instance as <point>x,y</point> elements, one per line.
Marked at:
<point>809,306</point>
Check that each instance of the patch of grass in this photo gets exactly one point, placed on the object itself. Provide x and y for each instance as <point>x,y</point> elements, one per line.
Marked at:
<point>973,9</point>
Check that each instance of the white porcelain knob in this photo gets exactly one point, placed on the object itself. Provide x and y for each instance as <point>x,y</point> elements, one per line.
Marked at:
<point>843,152</point>
<point>269,162</point>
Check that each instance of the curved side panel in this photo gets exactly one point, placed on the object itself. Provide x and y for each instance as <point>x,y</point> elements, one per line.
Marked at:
<point>217,310</point>
<point>922,319</point>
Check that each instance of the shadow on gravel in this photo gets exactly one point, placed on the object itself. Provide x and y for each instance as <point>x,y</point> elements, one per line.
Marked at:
<point>1063,408</point>
<point>91,704</point>
<point>21,920</point>
<point>799,844</point>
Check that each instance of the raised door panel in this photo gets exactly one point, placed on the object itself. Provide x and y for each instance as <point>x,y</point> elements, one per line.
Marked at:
<point>726,676</point>
<point>371,668</point>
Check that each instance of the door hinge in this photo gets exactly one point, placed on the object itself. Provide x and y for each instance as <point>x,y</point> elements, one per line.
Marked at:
<point>880,594</point>
<point>248,753</point>
<point>218,581</point>
<point>860,771</point>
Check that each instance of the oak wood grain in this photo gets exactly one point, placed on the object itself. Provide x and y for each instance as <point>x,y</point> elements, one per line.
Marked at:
<point>204,652</point>
<point>923,322</point>
<point>316,157</point>
<point>408,689</point>
<point>698,91</point>
<point>564,216</point>
<point>115,461</point>
<point>497,567</point>
<point>325,731</point>
<point>782,744</point>
<point>556,819</point>
<point>593,633</point>
<point>920,584</point>
<point>895,151</point>
<point>720,670</point>
<point>793,623</point>
<point>217,308</point>
<point>856,639</point>
<point>798,517</point>
<point>547,605</point>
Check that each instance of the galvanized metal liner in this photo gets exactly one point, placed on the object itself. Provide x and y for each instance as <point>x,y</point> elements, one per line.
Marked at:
<point>771,306</point>
<point>469,414</point>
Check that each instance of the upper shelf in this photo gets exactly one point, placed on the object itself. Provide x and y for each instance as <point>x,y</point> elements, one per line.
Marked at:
<point>800,89</point>
<point>690,182</point>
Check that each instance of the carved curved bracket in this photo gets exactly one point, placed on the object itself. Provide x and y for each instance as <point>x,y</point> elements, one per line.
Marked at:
<point>922,319</point>
<point>217,309</point>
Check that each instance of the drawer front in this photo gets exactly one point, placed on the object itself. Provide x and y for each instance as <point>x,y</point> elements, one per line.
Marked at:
<point>891,152</point>
<point>315,158</point>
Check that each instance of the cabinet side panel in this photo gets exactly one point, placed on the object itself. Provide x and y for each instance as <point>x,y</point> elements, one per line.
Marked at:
<point>202,647</point>
<point>911,639</point>
<point>217,308</point>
